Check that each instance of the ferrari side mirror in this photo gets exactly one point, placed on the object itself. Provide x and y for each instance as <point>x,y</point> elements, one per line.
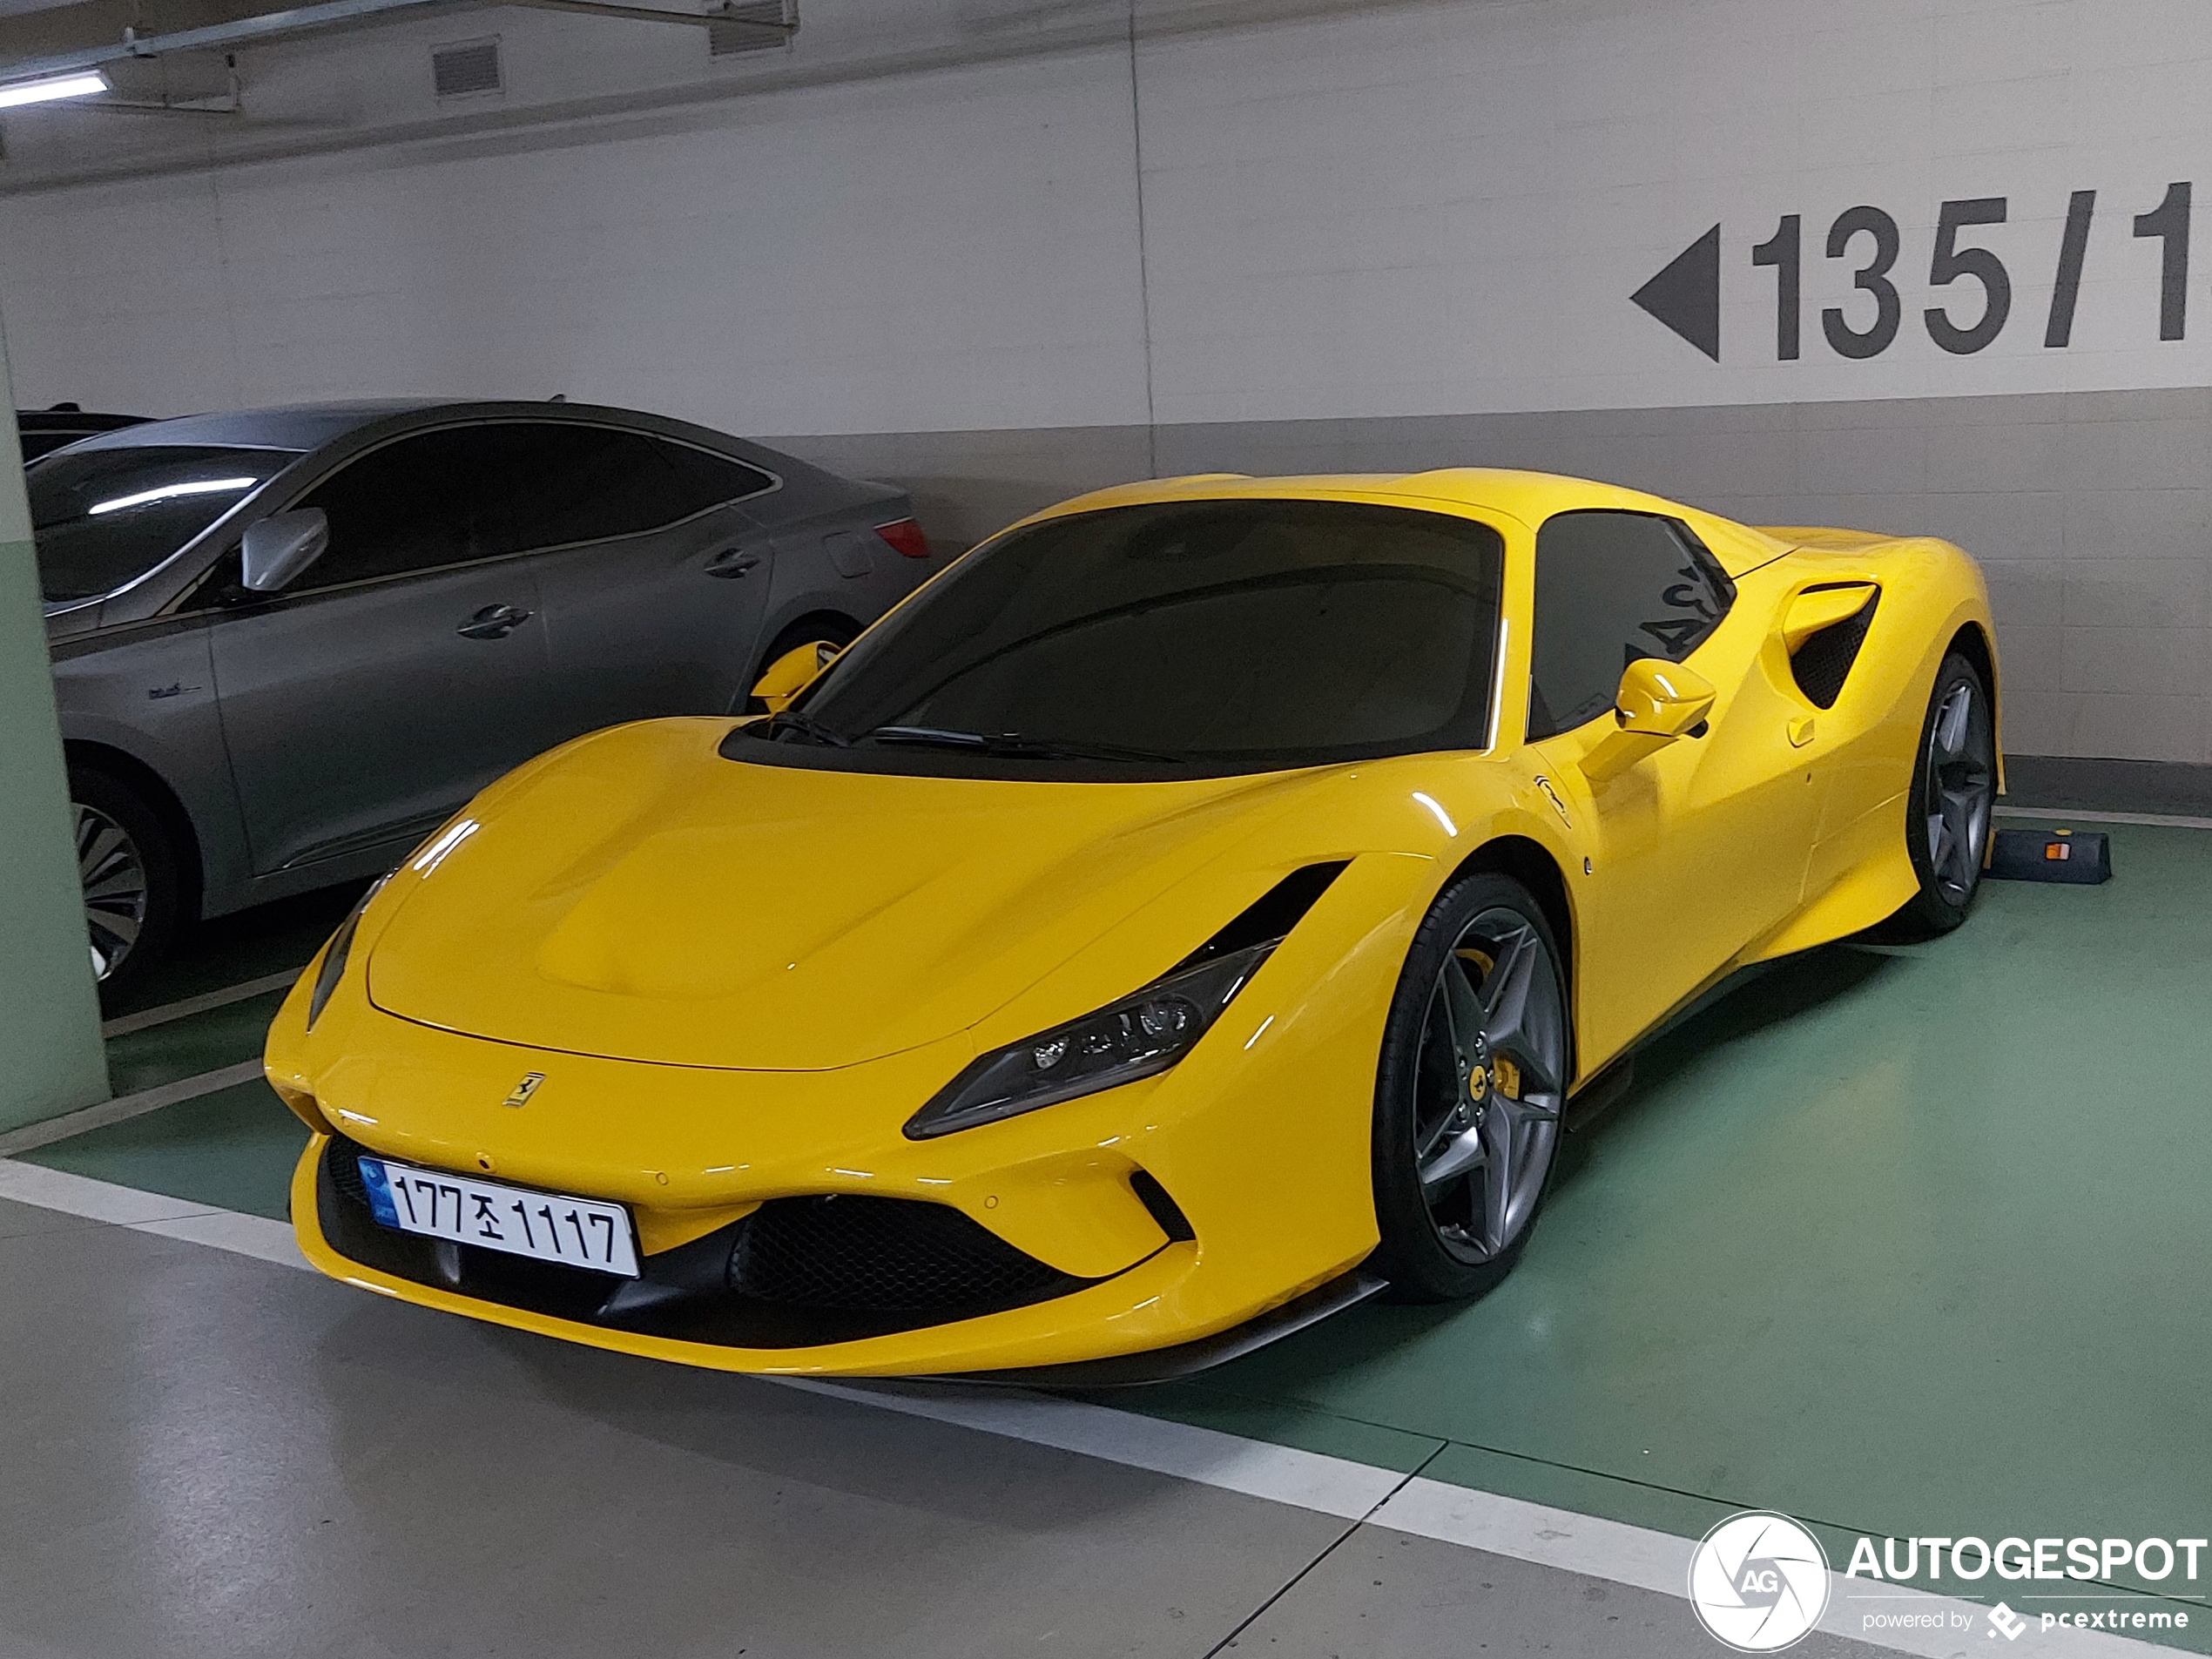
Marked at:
<point>1660,699</point>
<point>1657,702</point>
<point>790,673</point>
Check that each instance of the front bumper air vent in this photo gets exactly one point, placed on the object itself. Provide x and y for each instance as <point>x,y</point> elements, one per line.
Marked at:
<point>796,1272</point>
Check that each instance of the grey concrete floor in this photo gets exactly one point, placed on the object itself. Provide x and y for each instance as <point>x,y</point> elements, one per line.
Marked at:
<point>209,1455</point>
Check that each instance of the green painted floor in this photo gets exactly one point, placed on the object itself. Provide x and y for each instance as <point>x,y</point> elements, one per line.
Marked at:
<point>1904,1242</point>
<point>233,950</point>
<point>179,1049</point>
<point>233,1149</point>
<point>1912,1242</point>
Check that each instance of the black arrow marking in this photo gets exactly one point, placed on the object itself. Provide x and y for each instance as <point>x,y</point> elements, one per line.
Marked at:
<point>1686,296</point>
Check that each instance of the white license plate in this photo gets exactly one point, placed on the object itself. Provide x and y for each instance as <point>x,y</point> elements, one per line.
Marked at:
<point>545,1226</point>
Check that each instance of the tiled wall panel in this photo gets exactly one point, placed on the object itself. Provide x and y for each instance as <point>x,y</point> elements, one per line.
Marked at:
<point>1019,250</point>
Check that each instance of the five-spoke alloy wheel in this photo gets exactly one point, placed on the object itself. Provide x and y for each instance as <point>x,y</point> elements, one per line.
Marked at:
<point>1476,1059</point>
<point>1947,824</point>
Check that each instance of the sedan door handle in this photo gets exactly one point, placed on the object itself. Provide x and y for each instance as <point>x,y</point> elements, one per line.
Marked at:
<point>493,622</point>
<point>732,563</point>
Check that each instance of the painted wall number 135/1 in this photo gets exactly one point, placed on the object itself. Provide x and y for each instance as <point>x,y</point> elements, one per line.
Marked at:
<point>1872,235</point>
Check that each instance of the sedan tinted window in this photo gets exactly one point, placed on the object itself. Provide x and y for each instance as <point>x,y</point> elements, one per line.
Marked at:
<point>478,492</point>
<point>567,483</point>
<point>417,504</point>
<point>1213,635</point>
<point>104,517</point>
<point>1610,588</point>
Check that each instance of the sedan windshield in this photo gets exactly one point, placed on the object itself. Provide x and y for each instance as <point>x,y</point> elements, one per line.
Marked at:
<point>1178,639</point>
<point>104,517</point>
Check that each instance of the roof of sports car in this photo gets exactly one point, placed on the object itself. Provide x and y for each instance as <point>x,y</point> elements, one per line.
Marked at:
<point>1525,494</point>
<point>1530,496</point>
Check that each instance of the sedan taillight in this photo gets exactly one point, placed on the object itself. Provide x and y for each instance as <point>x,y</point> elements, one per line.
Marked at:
<point>904,536</point>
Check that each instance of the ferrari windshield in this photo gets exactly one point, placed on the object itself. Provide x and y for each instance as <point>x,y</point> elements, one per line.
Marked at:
<point>1183,638</point>
<point>103,517</point>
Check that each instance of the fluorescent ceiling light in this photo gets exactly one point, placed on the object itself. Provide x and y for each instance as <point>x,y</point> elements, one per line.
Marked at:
<point>193,486</point>
<point>82,84</point>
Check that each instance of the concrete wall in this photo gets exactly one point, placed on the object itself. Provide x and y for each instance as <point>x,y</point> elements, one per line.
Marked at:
<point>1005,261</point>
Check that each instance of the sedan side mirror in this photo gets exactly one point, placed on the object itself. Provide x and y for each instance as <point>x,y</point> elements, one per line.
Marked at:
<point>279,547</point>
<point>1657,702</point>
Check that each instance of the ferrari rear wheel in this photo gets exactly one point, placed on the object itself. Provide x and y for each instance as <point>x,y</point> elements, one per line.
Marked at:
<point>1476,1057</point>
<point>1947,824</point>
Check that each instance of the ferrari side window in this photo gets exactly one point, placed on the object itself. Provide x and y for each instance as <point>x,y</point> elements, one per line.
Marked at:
<point>1612,587</point>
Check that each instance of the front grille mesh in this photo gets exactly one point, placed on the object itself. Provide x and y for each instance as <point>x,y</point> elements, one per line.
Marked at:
<point>345,1171</point>
<point>879,1255</point>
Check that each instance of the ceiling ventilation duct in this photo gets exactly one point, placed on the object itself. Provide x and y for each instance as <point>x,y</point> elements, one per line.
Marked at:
<point>465,68</point>
<point>749,26</point>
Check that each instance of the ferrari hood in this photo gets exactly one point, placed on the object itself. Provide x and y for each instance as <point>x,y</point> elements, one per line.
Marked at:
<point>638,896</point>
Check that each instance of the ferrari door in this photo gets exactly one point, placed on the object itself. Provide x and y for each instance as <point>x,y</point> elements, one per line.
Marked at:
<point>1698,849</point>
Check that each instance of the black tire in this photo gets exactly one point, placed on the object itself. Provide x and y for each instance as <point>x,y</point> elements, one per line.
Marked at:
<point>832,632</point>
<point>1458,1232</point>
<point>134,886</point>
<point>1947,815</point>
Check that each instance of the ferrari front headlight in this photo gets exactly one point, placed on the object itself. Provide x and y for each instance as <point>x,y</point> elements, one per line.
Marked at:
<point>1139,1036</point>
<point>334,957</point>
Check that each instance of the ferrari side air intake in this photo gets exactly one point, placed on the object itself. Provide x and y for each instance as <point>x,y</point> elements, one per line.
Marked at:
<point>1823,662</point>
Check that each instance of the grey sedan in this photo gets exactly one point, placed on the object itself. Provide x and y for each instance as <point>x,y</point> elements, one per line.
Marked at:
<point>289,644</point>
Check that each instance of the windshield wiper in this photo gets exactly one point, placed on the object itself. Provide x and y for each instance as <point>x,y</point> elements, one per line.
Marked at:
<point>803,726</point>
<point>1013,746</point>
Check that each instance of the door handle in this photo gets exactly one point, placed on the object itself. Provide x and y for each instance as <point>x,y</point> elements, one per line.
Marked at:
<point>493,622</point>
<point>731,562</point>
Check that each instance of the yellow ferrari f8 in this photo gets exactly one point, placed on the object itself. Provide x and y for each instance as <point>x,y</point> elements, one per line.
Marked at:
<point>1194,910</point>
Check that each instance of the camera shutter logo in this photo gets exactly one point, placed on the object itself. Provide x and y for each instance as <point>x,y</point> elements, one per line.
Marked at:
<point>1759,1581</point>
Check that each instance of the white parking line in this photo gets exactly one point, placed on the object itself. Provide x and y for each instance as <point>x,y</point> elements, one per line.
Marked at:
<point>151,1212</point>
<point>2164,820</point>
<point>1330,1486</point>
<point>1635,1556</point>
<point>1656,1560</point>
<point>123,1026</point>
<point>126,1107</point>
<point>78,1195</point>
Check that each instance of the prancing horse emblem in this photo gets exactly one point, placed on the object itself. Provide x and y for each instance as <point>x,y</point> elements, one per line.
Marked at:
<point>524,1089</point>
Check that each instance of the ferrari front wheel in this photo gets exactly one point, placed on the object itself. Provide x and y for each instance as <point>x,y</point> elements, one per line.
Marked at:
<point>1476,1057</point>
